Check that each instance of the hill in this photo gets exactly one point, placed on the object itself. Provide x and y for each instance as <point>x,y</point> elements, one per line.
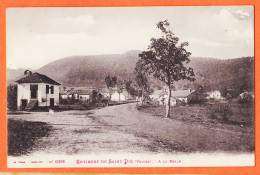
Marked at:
<point>91,71</point>
<point>86,70</point>
<point>14,74</point>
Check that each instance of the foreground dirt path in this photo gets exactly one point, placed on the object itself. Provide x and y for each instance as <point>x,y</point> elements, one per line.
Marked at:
<point>123,128</point>
<point>80,132</point>
<point>169,135</point>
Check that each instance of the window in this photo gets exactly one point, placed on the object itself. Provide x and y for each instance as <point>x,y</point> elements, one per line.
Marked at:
<point>52,89</point>
<point>47,89</point>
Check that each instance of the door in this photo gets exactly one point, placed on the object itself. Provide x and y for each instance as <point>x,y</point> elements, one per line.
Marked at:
<point>23,103</point>
<point>51,102</point>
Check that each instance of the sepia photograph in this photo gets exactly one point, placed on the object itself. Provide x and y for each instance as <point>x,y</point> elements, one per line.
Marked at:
<point>130,86</point>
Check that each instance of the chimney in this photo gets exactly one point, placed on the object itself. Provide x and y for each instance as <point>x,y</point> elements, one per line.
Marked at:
<point>27,73</point>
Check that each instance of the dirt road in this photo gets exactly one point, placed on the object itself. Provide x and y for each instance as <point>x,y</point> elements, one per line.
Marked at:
<point>123,128</point>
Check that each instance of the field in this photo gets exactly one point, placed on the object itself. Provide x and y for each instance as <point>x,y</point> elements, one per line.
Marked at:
<point>240,119</point>
<point>124,128</point>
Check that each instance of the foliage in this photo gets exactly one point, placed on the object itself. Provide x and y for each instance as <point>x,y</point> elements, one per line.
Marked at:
<point>64,101</point>
<point>166,60</point>
<point>128,84</point>
<point>12,97</point>
<point>245,98</point>
<point>110,81</point>
<point>140,78</point>
<point>223,91</point>
<point>120,86</point>
<point>223,111</point>
<point>141,81</point>
<point>94,96</point>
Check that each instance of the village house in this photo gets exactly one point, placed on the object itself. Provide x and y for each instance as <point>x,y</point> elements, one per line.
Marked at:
<point>37,90</point>
<point>159,96</point>
<point>178,97</point>
<point>73,94</point>
<point>119,96</point>
<point>106,93</point>
<point>64,94</point>
<point>84,95</point>
<point>214,95</point>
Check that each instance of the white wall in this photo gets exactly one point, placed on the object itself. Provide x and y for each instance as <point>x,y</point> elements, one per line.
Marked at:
<point>115,97</point>
<point>23,92</point>
<point>84,97</point>
<point>214,95</point>
<point>44,99</point>
<point>64,96</point>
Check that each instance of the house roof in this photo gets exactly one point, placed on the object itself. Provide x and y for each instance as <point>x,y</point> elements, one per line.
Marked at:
<point>125,93</point>
<point>85,92</point>
<point>181,93</point>
<point>159,92</point>
<point>63,92</point>
<point>37,78</point>
<point>178,93</point>
<point>105,90</point>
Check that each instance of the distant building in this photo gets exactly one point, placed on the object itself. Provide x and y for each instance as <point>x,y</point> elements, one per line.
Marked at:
<point>246,97</point>
<point>73,94</point>
<point>159,96</point>
<point>64,94</point>
<point>177,97</point>
<point>37,90</point>
<point>214,95</point>
<point>182,96</point>
<point>84,95</point>
<point>106,93</point>
<point>118,96</point>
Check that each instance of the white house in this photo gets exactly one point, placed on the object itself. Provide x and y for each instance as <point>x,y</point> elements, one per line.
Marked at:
<point>106,92</point>
<point>118,96</point>
<point>177,97</point>
<point>182,96</point>
<point>214,95</point>
<point>159,96</point>
<point>37,90</point>
<point>84,95</point>
<point>64,94</point>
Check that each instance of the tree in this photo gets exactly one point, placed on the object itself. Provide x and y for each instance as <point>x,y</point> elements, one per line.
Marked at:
<point>110,82</point>
<point>120,87</point>
<point>12,97</point>
<point>141,81</point>
<point>94,96</point>
<point>166,60</point>
<point>128,86</point>
<point>114,81</point>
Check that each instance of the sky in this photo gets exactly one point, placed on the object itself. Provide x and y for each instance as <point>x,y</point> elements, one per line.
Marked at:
<point>37,36</point>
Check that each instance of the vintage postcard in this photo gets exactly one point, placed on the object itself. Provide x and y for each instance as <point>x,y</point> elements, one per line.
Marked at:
<point>168,86</point>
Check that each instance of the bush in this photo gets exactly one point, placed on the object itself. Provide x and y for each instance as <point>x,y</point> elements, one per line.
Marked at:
<point>245,97</point>
<point>221,111</point>
<point>104,100</point>
<point>12,97</point>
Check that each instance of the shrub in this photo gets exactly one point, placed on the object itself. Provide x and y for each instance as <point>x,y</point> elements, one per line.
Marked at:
<point>12,97</point>
<point>245,98</point>
<point>221,111</point>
